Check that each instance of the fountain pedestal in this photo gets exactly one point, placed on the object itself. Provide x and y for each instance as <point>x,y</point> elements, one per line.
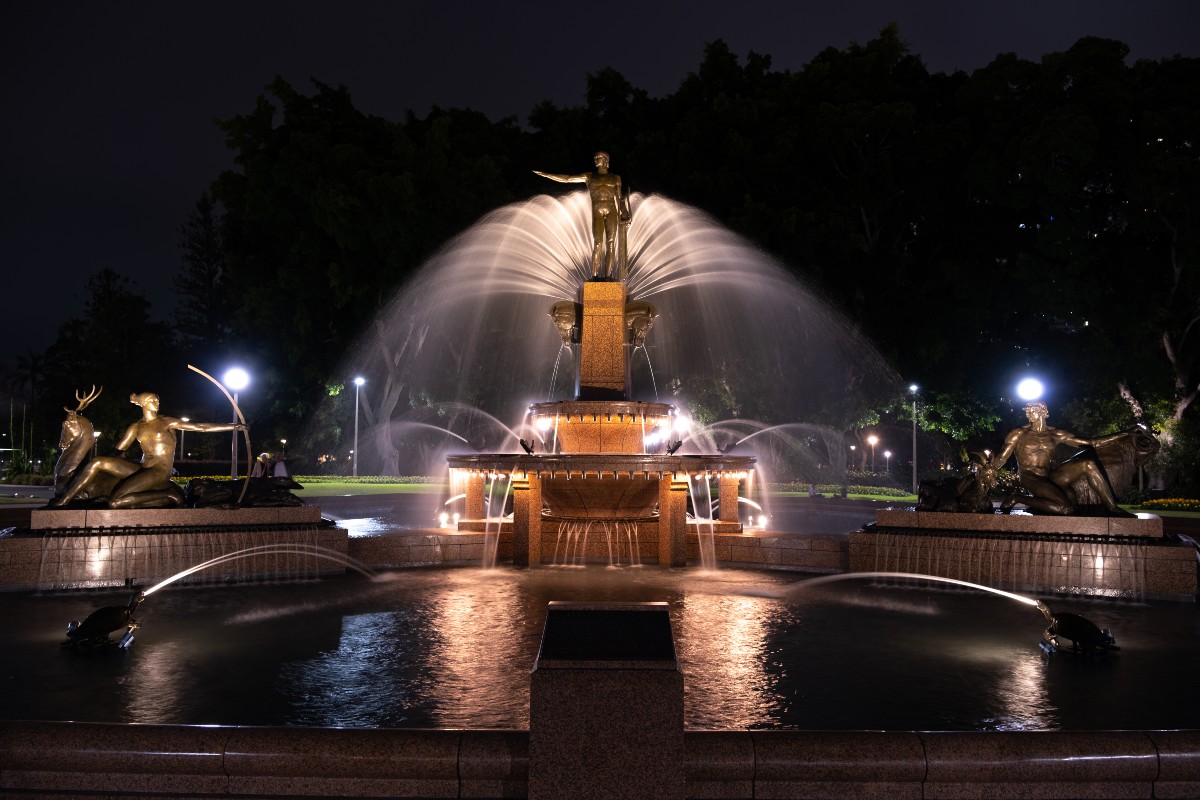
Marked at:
<point>593,480</point>
<point>1102,556</point>
<point>101,547</point>
<point>606,704</point>
<point>602,373</point>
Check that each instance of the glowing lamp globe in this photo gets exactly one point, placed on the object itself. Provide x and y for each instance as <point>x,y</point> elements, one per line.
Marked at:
<point>1030,389</point>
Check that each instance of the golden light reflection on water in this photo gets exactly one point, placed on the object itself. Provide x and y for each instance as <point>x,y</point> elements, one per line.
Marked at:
<point>454,648</point>
<point>1024,696</point>
<point>479,637</point>
<point>157,684</point>
<point>722,643</point>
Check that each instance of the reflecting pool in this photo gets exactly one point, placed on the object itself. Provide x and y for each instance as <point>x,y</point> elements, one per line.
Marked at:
<point>454,648</point>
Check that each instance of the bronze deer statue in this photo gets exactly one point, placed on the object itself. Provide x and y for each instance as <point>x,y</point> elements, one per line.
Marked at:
<point>75,441</point>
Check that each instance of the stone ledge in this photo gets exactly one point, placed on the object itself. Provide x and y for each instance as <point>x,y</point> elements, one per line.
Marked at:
<point>187,761</point>
<point>73,519</point>
<point>1148,525</point>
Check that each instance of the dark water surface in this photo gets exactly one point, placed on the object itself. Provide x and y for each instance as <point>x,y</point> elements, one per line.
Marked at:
<point>454,648</point>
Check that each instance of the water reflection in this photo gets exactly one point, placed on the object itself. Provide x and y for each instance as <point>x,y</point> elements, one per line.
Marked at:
<point>454,648</point>
<point>722,642</point>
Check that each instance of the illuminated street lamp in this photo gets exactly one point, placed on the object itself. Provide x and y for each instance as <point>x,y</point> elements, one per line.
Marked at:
<point>1030,389</point>
<point>235,379</point>
<point>887,463</point>
<point>872,440</point>
<point>913,388</point>
<point>358,382</point>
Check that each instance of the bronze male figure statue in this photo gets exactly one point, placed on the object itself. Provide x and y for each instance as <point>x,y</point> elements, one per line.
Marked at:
<point>610,216</point>
<point>1049,482</point>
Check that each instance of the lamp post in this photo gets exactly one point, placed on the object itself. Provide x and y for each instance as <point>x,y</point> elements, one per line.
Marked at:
<point>183,434</point>
<point>358,382</point>
<point>235,379</point>
<point>913,388</point>
<point>283,446</point>
<point>872,440</point>
<point>887,461</point>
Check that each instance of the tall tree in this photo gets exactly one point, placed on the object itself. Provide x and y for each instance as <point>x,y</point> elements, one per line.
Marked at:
<point>204,316</point>
<point>115,344</point>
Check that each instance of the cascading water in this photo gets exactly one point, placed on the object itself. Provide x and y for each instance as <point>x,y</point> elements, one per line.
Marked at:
<point>736,333</point>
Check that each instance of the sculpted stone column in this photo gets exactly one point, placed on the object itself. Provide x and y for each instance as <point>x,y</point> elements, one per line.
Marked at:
<point>474,498</point>
<point>602,348</point>
<point>527,521</point>
<point>672,519</point>
<point>728,494</point>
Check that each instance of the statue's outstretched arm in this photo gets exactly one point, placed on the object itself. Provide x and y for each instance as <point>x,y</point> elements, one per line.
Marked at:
<point>1100,441</point>
<point>562,178</point>
<point>209,427</point>
<point>1078,441</point>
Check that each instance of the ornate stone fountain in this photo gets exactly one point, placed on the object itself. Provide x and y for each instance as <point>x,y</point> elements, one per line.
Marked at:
<point>593,466</point>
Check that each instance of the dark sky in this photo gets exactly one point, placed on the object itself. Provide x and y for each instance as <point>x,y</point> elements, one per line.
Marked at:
<point>107,130</point>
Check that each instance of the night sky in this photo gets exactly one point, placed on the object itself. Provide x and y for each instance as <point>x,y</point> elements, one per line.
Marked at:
<point>108,134</point>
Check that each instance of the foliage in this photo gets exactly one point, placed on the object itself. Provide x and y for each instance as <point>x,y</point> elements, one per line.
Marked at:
<point>1171,504</point>
<point>835,490</point>
<point>203,320</point>
<point>1032,216</point>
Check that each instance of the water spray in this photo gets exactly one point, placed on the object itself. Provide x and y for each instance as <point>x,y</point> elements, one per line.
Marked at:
<point>94,631</point>
<point>263,550</point>
<point>1085,635</point>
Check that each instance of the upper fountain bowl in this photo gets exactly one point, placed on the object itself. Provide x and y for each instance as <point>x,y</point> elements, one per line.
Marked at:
<point>600,426</point>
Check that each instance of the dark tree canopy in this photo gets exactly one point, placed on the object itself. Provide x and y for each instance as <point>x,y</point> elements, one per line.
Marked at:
<point>1027,216</point>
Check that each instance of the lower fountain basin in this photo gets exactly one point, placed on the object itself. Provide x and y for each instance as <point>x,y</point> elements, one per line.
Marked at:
<point>453,648</point>
<point>614,498</point>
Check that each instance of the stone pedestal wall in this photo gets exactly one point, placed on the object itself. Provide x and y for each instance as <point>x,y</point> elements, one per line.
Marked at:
<point>1100,556</point>
<point>606,704</point>
<point>255,544</point>
<point>602,340</point>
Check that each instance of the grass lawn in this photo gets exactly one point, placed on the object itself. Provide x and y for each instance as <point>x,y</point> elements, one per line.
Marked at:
<point>327,488</point>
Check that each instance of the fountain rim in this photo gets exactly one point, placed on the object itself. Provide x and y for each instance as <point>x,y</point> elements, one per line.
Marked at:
<point>606,409</point>
<point>604,464</point>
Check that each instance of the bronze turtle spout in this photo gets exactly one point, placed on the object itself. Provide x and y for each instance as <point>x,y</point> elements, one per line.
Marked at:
<point>94,630</point>
<point>1085,635</point>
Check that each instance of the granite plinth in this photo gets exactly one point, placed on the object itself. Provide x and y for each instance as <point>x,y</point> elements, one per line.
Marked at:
<point>94,548</point>
<point>70,519</point>
<point>1103,556</point>
<point>602,339</point>
<point>606,704</point>
<point>1145,525</point>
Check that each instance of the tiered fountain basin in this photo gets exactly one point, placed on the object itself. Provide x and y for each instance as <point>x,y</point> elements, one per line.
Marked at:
<point>1101,556</point>
<point>600,426</point>
<point>644,496</point>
